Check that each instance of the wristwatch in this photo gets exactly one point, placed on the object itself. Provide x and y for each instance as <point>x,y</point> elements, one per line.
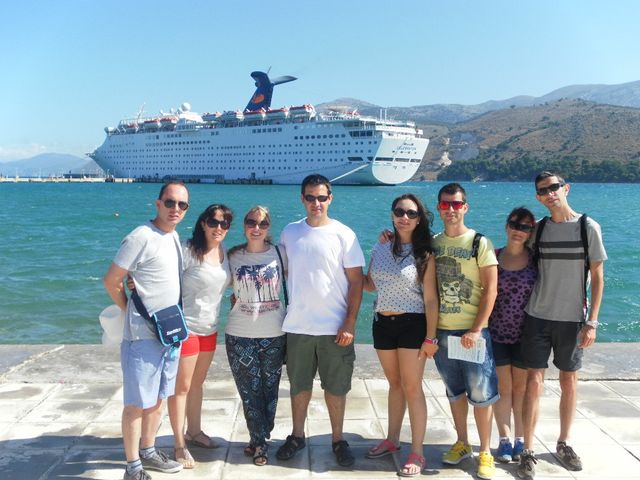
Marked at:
<point>592,323</point>
<point>431,341</point>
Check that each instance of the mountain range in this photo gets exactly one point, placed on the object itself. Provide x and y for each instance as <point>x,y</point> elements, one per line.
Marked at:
<point>49,165</point>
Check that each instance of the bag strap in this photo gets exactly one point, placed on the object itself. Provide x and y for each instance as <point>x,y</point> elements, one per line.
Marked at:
<point>283,280</point>
<point>137,301</point>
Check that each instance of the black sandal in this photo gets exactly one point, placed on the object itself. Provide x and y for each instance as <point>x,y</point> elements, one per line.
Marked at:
<point>260,457</point>
<point>250,450</point>
<point>290,447</point>
<point>343,453</point>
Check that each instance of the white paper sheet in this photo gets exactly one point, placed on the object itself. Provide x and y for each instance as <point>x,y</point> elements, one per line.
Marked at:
<point>458,352</point>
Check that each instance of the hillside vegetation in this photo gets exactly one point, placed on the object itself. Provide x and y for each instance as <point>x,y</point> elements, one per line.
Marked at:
<point>584,140</point>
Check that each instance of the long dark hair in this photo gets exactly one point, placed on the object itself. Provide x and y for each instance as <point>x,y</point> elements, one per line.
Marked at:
<point>198,242</point>
<point>421,236</point>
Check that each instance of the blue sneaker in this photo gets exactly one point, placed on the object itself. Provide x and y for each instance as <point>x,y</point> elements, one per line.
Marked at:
<point>504,452</point>
<point>518,448</point>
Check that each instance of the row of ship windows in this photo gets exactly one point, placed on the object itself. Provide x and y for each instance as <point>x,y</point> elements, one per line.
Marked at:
<point>245,156</point>
<point>298,160</point>
<point>266,130</point>
<point>232,167</point>
<point>235,147</point>
<point>261,160</point>
<point>312,137</point>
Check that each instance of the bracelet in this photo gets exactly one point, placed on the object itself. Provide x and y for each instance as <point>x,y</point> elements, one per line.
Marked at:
<point>430,341</point>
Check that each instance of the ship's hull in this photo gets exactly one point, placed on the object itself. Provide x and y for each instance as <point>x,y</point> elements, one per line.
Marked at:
<point>353,153</point>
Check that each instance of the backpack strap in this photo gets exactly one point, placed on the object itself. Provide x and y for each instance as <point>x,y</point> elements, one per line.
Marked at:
<point>585,246</point>
<point>536,245</point>
<point>475,246</point>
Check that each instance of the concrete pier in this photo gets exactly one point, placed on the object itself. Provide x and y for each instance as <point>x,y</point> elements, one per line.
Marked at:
<point>60,408</point>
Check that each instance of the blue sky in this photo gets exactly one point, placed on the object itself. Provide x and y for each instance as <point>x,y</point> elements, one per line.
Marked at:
<point>70,67</point>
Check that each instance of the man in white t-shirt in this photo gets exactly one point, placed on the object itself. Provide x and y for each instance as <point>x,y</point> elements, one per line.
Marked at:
<point>325,287</point>
<point>150,255</point>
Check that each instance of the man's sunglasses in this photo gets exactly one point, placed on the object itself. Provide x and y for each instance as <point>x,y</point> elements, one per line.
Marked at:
<point>521,227</point>
<point>313,198</point>
<point>213,223</point>
<point>262,225</point>
<point>168,203</point>
<point>401,212</point>
<point>554,187</point>
<point>455,204</point>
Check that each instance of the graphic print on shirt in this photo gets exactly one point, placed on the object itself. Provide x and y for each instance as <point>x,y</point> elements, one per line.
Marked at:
<point>258,287</point>
<point>455,288</point>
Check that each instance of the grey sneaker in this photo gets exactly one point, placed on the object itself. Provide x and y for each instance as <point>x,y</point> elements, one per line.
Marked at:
<point>568,457</point>
<point>527,467</point>
<point>139,475</point>
<point>161,463</point>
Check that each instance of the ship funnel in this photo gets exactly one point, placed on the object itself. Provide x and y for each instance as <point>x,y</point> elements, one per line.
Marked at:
<point>264,90</point>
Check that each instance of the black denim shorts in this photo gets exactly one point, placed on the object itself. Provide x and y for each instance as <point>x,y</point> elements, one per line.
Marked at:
<point>406,330</point>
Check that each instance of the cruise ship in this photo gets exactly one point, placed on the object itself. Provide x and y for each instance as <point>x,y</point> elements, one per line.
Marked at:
<point>263,145</point>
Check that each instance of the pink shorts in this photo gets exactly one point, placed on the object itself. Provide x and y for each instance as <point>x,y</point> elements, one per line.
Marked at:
<point>198,343</point>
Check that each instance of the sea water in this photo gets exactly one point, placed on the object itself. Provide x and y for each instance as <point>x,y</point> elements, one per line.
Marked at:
<point>58,239</point>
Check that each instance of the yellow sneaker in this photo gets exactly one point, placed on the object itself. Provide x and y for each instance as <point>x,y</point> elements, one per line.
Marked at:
<point>458,452</point>
<point>486,467</point>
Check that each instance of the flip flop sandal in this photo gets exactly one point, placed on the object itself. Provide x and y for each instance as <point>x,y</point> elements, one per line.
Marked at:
<point>413,460</point>
<point>183,456</point>
<point>385,447</point>
<point>260,457</point>
<point>192,440</point>
<point>249,450</point>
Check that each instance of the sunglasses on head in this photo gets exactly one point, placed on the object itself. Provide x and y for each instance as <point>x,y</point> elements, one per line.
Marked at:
<point>401,212</point>
<point>213,223</point>
<point>262,225</point>
<point>521,227</point>
<point>554,187</point>
<point>313,198</point>
<point>168,203</point>
<point>455,204</point>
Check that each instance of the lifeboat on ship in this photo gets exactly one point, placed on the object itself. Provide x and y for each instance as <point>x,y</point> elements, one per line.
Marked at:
<point>254,115</point>
<point>151,125</point>
<point>211,117</point>
<point>168,123</point>
<point>128,127</point>
<point>231,116</point>
<point>278,114</point>
<point>302,112</point>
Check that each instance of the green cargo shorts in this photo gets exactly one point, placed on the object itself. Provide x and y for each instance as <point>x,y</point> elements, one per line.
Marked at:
<point>308,354</point>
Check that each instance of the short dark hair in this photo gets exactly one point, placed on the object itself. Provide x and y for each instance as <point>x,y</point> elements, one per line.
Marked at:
<point>316,179</point>
<point>521,213</point>
<point>452,189</point>
<point>170,182</point>
<point>546,174</point>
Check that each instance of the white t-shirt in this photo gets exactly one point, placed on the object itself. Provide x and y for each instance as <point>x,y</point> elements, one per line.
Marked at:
<point>203,286</point>
<point>317,281</point>
<point>257,281</point>
<point>151,257</point>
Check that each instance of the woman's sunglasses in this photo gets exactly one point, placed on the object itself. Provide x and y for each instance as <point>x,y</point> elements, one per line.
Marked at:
<point>172,204</point>
<point>213,223</point>
<point>521,227</point>
<point>262,225</point>
<point>401,212</point>
<point>455,204</point>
